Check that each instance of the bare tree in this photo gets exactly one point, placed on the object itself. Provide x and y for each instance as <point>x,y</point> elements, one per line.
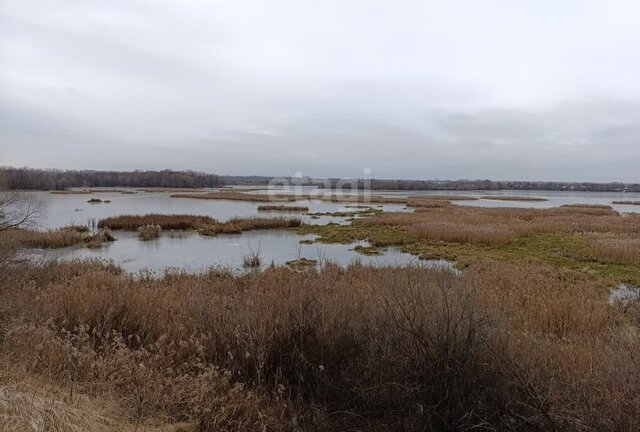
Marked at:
<point>16,209</point>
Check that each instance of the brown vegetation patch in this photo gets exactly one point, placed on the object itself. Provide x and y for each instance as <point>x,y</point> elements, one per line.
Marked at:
<point>512,198</point>
<point>238,225</point>
<point>333,349</point>
<point>71,192</point>
<point>237,196</point>
<point>57,238</point>
<point>166,222</point>
<point>205,225</point>
<point>149,232</point>
<point>635,203</point>
<point>283,208</point>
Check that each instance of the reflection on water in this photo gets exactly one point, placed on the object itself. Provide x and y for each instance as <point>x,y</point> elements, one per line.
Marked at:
<point>624,293</point>
<point>61,210</point>
<point>193,252</point>
<point>554,198</point>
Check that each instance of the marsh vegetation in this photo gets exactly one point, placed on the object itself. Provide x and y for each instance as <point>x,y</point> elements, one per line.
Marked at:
<point>523,336</point>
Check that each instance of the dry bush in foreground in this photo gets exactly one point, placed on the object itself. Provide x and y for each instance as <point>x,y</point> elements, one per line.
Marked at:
<point>502,347</point>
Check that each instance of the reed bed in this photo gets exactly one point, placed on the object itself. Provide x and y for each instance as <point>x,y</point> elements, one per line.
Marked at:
<point>165,222</point>
<point>506,346</point>
<point>617,249</point>
<point>635,203</point>
<point>512,198</point>
<point>271,197</point>
<point>587,206</point>
<point>57,238</point>
<point>149,232</point>
<point>205,225</point>
<point>500,225</point>
<point>238,196</point>
<point>283,208</point>
<point>238,225</point>
<point>170,189</point>
<point>71,192</point>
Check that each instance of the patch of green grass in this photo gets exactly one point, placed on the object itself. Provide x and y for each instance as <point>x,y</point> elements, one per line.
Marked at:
<point>366,211</point>
<point>367,250</point>
<point>562,250</point>
<point>301,263</point>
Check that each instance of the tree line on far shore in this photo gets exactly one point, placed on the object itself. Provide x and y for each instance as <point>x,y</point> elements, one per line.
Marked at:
<point>53,179</point>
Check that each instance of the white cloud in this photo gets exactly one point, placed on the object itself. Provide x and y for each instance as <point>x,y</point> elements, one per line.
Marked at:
<point>532,89</point>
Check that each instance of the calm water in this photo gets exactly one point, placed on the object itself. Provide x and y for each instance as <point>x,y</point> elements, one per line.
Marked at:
<point>61,210</point>
<point>194,252</point>
<point>554,198</point>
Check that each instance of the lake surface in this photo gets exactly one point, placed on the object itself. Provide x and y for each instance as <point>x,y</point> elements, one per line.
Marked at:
<point>71,209</point>
<point>193,252</point>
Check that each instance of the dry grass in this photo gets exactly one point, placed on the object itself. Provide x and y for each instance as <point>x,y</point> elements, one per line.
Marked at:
<point>512,198</point>
<point>271,197</point>
<point>205,225</point>
<point>170,189</point>
<point>238,196</point>
<point>238,225</point>
<point>502,225</point>
<point>71,192</point>
<point>58,238</point>
<point>587,206</point>
<point>166,222</point>
<point>620,249</point>
<point>149,232</point>
<point>283,208</point>
<point>509,347</point>
<point>635,203</point>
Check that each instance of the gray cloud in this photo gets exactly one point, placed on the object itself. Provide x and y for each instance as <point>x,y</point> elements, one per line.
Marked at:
<point>417,90</point>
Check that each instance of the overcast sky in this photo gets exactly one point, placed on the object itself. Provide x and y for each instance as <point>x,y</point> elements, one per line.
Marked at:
<point>511,89</point>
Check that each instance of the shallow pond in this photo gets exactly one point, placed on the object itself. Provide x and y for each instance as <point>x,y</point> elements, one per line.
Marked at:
<point>194,252</point>
<point>69,209</point>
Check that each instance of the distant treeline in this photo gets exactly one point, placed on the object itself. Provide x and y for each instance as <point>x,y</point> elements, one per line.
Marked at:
<point>51,179</point>
<point>466,185</point>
